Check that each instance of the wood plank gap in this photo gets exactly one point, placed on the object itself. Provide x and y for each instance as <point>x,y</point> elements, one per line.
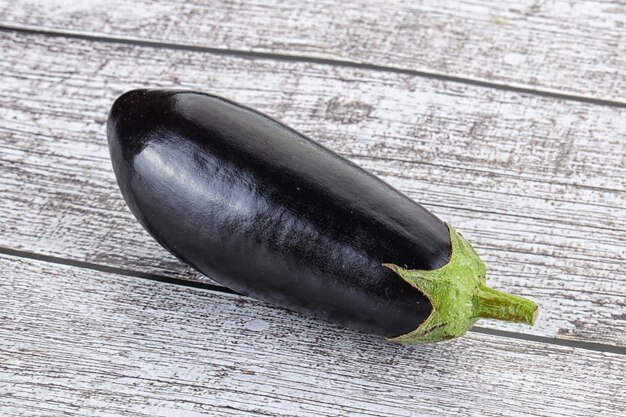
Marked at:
<point>115,270</point>
<point>322,61</point>
<point>597,347</point>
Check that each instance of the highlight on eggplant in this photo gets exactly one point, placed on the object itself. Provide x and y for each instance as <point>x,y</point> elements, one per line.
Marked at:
<point>270,213</point>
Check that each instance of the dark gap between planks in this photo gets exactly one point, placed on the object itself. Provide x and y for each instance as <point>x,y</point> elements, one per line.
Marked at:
<point>321,61</point>
<point>598,347</point>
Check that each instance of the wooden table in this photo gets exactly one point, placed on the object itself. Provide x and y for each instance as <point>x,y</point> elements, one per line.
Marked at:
<point>507,120</point>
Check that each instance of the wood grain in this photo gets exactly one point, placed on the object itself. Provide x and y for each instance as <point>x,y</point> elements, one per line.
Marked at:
<point>537,184</point>
<point>87,343</point>
<point>562,46</point>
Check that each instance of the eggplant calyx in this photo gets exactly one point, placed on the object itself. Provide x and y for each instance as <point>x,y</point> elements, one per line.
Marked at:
<point>460,296</point>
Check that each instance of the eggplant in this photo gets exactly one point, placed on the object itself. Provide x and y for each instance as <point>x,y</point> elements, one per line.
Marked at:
<point>266,211</point>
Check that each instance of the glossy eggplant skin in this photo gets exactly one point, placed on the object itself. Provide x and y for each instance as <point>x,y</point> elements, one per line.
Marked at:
<point>270,213</point>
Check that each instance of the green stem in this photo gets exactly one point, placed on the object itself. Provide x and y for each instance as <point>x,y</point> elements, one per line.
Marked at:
<point>459,296</point>
<point>493,304</point>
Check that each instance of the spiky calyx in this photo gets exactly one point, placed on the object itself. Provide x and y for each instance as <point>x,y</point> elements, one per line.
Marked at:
<point>459,296</point>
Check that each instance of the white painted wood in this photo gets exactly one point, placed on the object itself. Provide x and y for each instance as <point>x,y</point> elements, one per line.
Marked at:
<point>557,45</point>
<point>85,343</point>
<point>536,184</point>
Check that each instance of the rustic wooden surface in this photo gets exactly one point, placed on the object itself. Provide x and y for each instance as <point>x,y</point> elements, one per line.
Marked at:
<point>566,47</point>
<point>531,200</point>
<point>535,177</point>
<point>93,343</point>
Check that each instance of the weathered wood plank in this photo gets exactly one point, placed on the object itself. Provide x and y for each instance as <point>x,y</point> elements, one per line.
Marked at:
<point>537,184</point>
<point>562,46</point>
<point>86,343</point>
